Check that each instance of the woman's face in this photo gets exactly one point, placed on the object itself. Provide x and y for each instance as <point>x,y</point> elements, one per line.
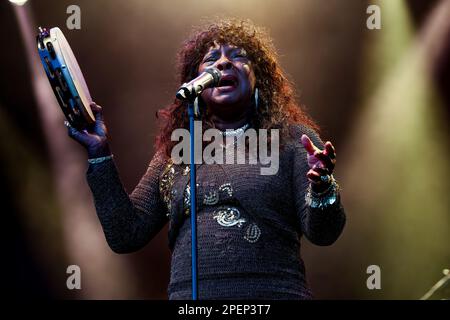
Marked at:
<point>237,82</point>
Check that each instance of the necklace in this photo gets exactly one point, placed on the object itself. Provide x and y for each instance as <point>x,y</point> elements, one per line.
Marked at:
<point>235,132</point>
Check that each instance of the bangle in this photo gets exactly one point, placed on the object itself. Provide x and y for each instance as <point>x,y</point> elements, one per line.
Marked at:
<point>100,160</point>
<point>323,199</point>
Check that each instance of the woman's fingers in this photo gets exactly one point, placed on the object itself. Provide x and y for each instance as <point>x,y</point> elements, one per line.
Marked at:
<point>99,126</point>
<point>326,160</point>
<point>307,143</point>
<point>321,171</point>
<point>97,111</point>
<point>329,150</point>
<point>313,176</point>
<point>80,136</point>
<point>320,161</point>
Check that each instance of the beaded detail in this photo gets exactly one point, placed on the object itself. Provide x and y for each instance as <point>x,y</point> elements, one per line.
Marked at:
<point>186,170</point>
<point>187,199</point>
<point>226,187</point>
<point>166,185</point>
<point>211,198</point>
<point>252,233</point>
<point>229,217</point>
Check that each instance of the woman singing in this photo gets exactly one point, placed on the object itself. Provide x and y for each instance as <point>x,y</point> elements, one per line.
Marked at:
<point>249,224</point>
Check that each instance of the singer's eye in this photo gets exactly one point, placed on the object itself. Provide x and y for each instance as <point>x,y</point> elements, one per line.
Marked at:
<point>209,59</point>
<point>241,54</point>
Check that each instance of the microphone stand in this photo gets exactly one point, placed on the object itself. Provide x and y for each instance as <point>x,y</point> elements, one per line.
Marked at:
<point>193,195</point>
<point>192,112</point>
<point>189,96</point>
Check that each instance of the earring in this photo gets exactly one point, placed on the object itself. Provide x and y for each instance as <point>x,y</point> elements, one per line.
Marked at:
<point>256,98</point>
<point>196,108</point>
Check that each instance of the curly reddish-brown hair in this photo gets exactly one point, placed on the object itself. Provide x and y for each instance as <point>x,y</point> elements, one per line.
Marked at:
<point>277,107</point>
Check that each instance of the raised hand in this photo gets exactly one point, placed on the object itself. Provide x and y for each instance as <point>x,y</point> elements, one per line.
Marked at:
<point>321,162</point>
<point>95,139</point>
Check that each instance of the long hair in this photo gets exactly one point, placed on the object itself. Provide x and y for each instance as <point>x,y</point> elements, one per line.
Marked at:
<point>277,105</point>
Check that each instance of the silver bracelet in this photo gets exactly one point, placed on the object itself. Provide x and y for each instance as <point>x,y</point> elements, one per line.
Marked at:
<point>323,199</point>
<point>100,160</point>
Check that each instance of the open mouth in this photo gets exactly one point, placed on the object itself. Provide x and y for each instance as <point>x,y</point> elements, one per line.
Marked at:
<point>228,82</point>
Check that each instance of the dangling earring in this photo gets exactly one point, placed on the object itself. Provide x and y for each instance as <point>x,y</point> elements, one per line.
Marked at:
<point>196,108</point>
<point>256,99</point>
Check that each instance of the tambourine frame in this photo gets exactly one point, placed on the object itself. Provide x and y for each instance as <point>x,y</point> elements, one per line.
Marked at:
<point>65,78</point>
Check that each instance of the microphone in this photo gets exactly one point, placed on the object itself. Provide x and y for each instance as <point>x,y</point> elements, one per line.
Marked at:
<point>207,79</point>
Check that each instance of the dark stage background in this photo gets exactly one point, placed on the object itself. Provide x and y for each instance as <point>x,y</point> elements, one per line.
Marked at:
<point>381,96</point>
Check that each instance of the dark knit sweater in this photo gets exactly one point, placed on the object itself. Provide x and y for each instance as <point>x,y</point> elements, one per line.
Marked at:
<point>249,225</point>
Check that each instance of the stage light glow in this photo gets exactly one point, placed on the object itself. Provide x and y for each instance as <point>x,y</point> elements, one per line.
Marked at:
<point>82,240</point>
<point>399,181</point>
<point>18,2</point>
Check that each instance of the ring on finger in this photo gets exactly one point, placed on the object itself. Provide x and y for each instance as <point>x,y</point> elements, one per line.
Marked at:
<point>326,178</point>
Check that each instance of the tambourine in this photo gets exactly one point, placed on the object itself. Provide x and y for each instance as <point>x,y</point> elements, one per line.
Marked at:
<point>66,78</point>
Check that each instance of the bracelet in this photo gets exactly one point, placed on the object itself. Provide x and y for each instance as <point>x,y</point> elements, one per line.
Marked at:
<point>100,160</point>
<point>323,199</point>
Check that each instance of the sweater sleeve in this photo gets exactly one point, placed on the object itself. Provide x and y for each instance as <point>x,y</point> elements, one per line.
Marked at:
<point>320,226</point>
<point>129,221</point>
